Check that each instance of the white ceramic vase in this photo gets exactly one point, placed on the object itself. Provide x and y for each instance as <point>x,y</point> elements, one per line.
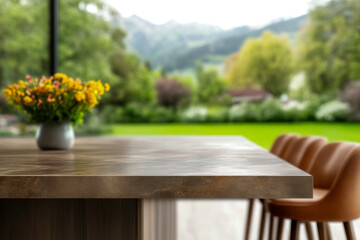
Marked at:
<point>54,136</point>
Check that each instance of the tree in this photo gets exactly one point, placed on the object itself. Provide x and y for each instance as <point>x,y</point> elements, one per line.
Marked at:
<point>135,82</point>
<point>329,51</point>
<point>87,41</point>
<point>234,73</point>
<point>266,62</point>
<point>210,85</point>
<point>23,39</point>
<point>170,92</point>
<point>89,47</point>
<point>230,62</point>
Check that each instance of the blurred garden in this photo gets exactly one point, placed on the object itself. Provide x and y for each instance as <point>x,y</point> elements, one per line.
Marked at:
<point>273,84</point>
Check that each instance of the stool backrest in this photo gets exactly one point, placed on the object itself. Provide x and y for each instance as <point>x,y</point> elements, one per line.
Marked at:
<point>329,162</point>
<point>311,152</point>
<point>302,151</point>
<point>279,143</point>
<point>287,146</point>
<point>343,200</point>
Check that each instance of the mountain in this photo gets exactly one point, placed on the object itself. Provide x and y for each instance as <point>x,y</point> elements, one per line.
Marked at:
<point>231,42</point>
<point>176,46</point>
<point>157,42</point>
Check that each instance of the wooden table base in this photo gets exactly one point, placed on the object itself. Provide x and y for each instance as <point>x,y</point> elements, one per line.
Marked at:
<point>74,219</point>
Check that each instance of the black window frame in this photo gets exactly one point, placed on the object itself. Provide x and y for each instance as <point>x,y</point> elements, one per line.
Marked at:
<point>54,36</point>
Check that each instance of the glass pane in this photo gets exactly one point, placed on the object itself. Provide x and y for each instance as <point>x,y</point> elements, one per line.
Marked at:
<point>85,39</point>
<point>23,39</point>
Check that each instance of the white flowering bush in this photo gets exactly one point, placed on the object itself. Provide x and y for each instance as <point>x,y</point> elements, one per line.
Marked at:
<point>244,112</point>
<point>333,111</point>
<point>194,114</point>
<point>298,111</point>
<point>271,110</point>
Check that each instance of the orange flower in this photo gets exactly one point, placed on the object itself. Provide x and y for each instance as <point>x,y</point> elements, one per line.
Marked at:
<point>61,76</point>
<point>22,84</point>
<point>28,100</point>
<point>8,93</point>
<point>80,96</point>
<point>107,87</point>
<point>50,100</point>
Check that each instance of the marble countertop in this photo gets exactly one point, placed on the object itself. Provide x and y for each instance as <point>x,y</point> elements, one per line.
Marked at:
<point>148,167</point>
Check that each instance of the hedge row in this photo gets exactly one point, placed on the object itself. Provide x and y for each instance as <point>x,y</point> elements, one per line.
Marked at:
<point>268,111</point>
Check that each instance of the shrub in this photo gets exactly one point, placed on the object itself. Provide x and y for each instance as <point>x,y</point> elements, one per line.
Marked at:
<point>310,110</point>
<point>136,112</point>
<point>112,114</point>
<point>4,107</point>
<point>92,126</point>
<point>171,93</point>
<point>193,114</point>
<point>133,112</point>
<point>271,110</point>
<point>224,100</point>
<point>268,111</point>
<point>162,115</point>
<point>291,114</point>
<point>296,111</point>
<point>244,112</point>
<point>333,111</point>
<point>351,95</point>
<point>217,114</point>
<point>8,134</point>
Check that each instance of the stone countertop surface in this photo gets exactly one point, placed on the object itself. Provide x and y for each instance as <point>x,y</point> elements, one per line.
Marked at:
<point>148,167</point>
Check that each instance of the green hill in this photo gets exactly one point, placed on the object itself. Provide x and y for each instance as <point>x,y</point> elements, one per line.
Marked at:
<point>176,46</point>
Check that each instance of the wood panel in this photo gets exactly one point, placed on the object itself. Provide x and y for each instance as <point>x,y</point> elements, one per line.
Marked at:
<point>70,219</point>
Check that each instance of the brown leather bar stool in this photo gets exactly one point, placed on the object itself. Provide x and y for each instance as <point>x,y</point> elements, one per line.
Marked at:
<point>278,148</point>
<point>296,151</point>
<point>336,193</point>
<point>301,152</point>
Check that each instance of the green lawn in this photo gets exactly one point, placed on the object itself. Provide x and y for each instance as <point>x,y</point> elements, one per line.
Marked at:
<point>261,133</point>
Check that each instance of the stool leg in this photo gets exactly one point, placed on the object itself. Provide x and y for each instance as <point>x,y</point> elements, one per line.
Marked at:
<point>309,231</point>
<point>280,228</point>
<point>294,231</point>
<point>349,231</point>
<point>249,218</point>
<point>262,223</point>
<point>321,230</point>
<point>271,226</point>
<point>328,231</point>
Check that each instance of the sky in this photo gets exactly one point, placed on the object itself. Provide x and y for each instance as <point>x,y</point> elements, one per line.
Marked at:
<point>223,13</point>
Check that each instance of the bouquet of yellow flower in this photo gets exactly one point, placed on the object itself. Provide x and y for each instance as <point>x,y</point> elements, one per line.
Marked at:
<point>57,99</point>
